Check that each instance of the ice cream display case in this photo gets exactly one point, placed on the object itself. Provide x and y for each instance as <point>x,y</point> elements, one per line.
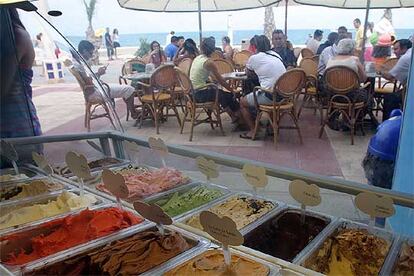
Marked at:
<point>282,235</point>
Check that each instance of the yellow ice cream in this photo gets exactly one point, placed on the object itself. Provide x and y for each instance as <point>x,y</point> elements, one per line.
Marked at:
<point>212,263</point>
<point>65,202</point>
<point>350,252</point>
<point>35,188</point>
<point>241,210</point>
<point>10,177</point>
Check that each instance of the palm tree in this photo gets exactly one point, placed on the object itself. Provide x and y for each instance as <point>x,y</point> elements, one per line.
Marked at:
<point>90,11</point>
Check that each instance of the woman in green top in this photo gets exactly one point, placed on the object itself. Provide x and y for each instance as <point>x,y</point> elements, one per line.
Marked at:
<point>201,68</point>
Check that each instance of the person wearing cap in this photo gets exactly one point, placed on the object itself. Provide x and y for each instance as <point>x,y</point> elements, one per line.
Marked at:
<point>381,51</point>
<point>201,69</point>
<point>332,38</point>
<point>313,43</point>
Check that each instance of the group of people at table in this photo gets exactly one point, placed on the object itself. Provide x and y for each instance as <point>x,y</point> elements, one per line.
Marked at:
<point>265,65</point>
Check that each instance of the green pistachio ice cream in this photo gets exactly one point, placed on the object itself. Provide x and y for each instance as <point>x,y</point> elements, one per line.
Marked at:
<point>180,203</point>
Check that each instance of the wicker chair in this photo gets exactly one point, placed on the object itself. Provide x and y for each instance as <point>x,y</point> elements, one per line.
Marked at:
<point>240,60</point>
<point>306,53</point>
<point>384,88</point>
<point>92,106</point>
<point>133,65</point>
<point>153,103</point>
<point>224,66</point>
<point>185,65</point>
<point>311,96</point>
<point>316,58</point>
<point>341,80</point>
<point>195,110</point>
<point>288,86</point>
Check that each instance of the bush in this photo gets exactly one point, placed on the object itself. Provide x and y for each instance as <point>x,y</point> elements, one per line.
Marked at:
<point>144,47</point>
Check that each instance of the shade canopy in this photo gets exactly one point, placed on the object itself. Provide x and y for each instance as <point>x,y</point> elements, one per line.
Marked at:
<point>192,5</point>
<point>359,4</point>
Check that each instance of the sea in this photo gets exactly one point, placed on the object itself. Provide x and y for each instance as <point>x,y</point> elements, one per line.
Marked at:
<point>296,36</point>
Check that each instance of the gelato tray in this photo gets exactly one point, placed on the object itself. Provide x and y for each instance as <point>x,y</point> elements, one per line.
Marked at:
<point>131,252</point>
<point>39,241</point>
<point>185,199</point>
<point>244,209</point>
<point>401,261</point>
<point>94,165</point>
<point>16,214</point>
<point>143,182</point>
<point>349,249</point>
<point>30,188</point>
<point>9,175</point>
<point>284,235</point>
<point>211,262</point>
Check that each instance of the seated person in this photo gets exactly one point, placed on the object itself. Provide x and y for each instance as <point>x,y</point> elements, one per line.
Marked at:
<point>345,57</point>
<point>281,48</point>
<point>126,92</point>
<point>332,38</point>
<point>171,48</point>
<point>313,43</point>
<point>403,51</point>
<point>157,55</point>
<point>328,53</point>
<point>227,49</point>
<point>187,50</point>
<point>381,51</point>
<point>201,68</point>
<point>268,67</point>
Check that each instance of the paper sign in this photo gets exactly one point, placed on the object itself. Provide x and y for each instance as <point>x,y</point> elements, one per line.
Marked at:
<point>158,144</point>
<point>207,167</point>
<point>255,176</point>
<point>222,229</point>
<point>304,193</point>
<point>374,205</point>
<point>115,183</point>
<point>95,146</point>
<point>131,146</point>
<point>152,212</point>
<point>8,151</point>
<point>78,165</point>
<point>42,163</point>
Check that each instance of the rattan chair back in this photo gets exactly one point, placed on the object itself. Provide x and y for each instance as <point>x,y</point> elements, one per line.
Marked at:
<point>164,77</point>
<point>290,83</point>
<point>128,66</point>
<point>184,81</point>
<point>185,65</point>
<point>309,66</point>
<point>216,54</point>
<point>240,58</point>
<point>223,66</point>
<point>388,64</point>
<point>306,52</point>
<point>341,79</point>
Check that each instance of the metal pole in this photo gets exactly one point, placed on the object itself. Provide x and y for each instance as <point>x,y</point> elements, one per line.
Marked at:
<point>286,14</point>
<point>200,27</point>
<point>364,36</point>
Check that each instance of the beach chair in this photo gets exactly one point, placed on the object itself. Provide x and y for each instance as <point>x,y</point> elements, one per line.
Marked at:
<point>91,107</point>
<point>288,86</point>
<point>341,80</point>
<point>240,60</point>
<point>310,93</point>
<point>194,110</point>
<point>158,96</point>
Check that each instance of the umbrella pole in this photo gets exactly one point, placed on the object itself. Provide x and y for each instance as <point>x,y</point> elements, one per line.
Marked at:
<point>200,27</point>
<point>364,36</point>
<point>286,14</point>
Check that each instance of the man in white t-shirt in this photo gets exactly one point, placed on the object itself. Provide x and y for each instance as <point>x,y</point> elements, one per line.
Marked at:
<point>313,43</point>
<point>268,66</point>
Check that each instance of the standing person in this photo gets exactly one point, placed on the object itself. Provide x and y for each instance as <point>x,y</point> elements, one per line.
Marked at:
<point>313,43</point>
<point>332,38</point>
<point>171,48</point>
<point>227,49</point>
<point>18,117</point>
<point>281,48</point>
<point>384,26</point>
<point>115,41</point>
<point>359,36</point>
<point>108,44</point>
<point>157,55</point>
<point>268,66</point>
<point>368,44</point>
<point>201,69</point>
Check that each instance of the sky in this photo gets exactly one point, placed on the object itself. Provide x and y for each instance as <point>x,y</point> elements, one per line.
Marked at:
<point>110,14</point>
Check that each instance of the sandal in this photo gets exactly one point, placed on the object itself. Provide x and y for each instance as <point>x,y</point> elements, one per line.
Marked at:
<point>245,136</point>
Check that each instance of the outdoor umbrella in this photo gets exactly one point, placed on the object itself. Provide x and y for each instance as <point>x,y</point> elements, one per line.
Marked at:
<point>360,4</point>
<point>194,6</point>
